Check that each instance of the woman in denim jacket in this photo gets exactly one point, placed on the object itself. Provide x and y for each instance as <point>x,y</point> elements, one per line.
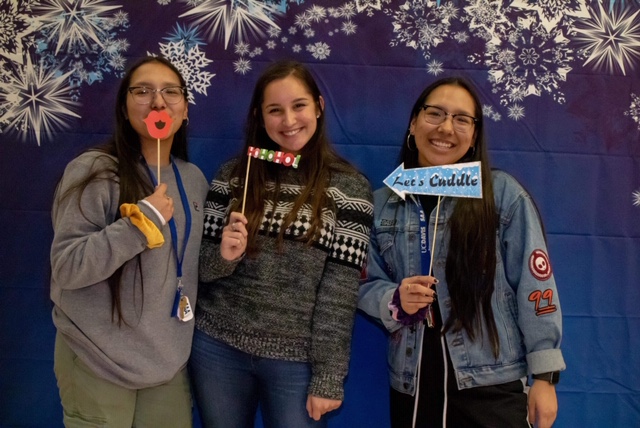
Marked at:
<point>486,315</point>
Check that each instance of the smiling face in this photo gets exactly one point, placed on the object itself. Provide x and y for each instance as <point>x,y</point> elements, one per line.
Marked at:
<point>441,144</point>
<point>155,75</point>
<point>289,113</point>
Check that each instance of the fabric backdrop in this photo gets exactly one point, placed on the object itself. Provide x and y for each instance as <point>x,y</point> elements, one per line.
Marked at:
<point>560,87</point>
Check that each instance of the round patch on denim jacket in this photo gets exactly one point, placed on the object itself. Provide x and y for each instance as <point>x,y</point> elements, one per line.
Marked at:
<point>539,265</point>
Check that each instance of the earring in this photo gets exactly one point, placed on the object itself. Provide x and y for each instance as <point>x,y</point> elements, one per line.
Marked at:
<point>318,116</point>
<point>408,143</point>
<point>187,119</point>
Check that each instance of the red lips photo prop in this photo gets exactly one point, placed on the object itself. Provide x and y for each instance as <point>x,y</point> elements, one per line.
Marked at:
<point>158,124</point>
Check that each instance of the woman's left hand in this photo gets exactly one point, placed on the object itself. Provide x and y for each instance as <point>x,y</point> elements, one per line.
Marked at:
<point>543,404</point>
<point>317,406</point>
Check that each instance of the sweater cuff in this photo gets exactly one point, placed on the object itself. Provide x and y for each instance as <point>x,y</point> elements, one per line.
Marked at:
<point>146,226</point>
<point>327,386</point>
<point>155,211</point>
<point>398,314</point>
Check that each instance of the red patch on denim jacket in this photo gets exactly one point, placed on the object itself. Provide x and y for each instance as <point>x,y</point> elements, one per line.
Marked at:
<point>539,265</point>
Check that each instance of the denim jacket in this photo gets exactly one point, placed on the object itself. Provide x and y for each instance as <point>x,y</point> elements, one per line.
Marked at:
<point>525,299</point>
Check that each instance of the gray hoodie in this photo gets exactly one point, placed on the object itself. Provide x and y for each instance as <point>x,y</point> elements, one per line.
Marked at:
<point>151,346</point>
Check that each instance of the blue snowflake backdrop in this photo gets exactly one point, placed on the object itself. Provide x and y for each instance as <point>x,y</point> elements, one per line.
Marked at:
<point>560,86</point>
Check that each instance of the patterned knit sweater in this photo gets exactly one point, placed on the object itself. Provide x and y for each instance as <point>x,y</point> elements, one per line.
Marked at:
<point>296,305</point>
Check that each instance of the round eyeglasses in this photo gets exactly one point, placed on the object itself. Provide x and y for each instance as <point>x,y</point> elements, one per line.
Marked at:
<point>144,95</point>
<point>435,116</point>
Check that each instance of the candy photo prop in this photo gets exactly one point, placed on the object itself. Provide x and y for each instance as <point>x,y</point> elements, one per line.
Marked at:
<point>159,126</point>
<point>286,159</point>
<point>283,158</point>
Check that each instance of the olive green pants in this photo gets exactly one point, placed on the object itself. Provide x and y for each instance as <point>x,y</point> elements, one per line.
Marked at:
<point>90,401</point>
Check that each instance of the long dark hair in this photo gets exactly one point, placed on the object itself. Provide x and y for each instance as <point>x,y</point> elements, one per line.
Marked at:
<point>471,260</point>
<point>318,160</point>
<point>134,184</point>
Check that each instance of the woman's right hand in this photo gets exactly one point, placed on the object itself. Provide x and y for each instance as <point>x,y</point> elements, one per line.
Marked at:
<point>234,237</point>
<point>161,201</point>
<point>416,292</point>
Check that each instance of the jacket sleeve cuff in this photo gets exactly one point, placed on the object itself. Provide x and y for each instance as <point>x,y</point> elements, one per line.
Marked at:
<point>385,314</point>
<point>398,314</point>
<point>547,360</point>
<point>146,226</point>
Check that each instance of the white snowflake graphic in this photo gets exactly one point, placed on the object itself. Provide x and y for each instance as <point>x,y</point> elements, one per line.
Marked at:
<point>348,28</point>
<point>303,21</point>
<point>74,26</point>
<point>241,48</point>
<point>636,198</point>
<point>366,4</point>
<point>234,20</point>
<point>434,67</point>
<point>193,3</point>
<point>319,50</point>
<point>317,13</point>
<point>16,30</point>
<point>36,102</point>
<point>634,109</point>
<point>609,42</point>
<point>490,113</point>
<point>461,36</point>
<point>420,24</point>
<point>348,10</point>
<point>524,59</point>
<point>242,66</point>
<point>516,112</point>
<point>273,32</point>
<point>79,36</point>
<point>550,13</point>
<point>191,64</point>
<point>483,16</point>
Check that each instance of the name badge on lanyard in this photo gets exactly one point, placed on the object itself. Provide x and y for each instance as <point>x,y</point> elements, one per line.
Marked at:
<point>181,308</point>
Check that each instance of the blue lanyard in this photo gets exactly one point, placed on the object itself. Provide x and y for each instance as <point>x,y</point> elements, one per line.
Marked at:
<point>425,258</point>
<point>425,253</point>
<point>172,223</point>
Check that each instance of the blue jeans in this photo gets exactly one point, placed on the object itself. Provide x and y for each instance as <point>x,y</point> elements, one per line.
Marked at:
<point>230,384</point>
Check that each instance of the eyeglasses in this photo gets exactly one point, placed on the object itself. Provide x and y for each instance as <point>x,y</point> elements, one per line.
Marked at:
<point>144,95</point>
<point>435,116</point>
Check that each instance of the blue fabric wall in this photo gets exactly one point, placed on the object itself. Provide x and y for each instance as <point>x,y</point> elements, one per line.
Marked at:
<point>560,87</point>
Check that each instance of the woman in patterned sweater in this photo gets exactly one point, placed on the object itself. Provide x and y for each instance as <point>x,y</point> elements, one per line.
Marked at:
<point>279,284</point>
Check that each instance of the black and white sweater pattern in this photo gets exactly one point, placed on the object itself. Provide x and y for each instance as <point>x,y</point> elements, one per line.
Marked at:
<point>298,304</point>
